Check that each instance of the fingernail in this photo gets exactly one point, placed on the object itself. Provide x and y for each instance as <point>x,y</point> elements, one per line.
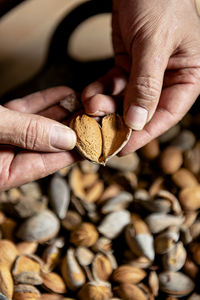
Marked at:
<point>136,117</point>
<point>62,138</point>
<point>97,113</point>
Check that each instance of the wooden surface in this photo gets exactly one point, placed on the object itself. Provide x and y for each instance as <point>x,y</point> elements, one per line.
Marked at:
<point>25,33</point>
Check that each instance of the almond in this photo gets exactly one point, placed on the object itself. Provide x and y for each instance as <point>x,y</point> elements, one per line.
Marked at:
<point>8,252</point>
<point>128,274</point>
<point>25,263</point>
<point>25,292</point>
<point>6,281</point>
<point>97,143</point>
<point>53,283</point>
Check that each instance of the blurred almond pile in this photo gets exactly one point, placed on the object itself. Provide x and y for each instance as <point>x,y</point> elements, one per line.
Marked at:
<point>128,231</point>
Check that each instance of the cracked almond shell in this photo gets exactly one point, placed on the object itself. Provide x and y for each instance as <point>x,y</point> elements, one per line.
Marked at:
<point>100,143</point>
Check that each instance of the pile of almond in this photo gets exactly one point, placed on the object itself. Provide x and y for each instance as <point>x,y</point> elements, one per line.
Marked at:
<point>128,230</point>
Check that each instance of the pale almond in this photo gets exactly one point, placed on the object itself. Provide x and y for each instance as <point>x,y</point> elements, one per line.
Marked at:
<point>190,198</point>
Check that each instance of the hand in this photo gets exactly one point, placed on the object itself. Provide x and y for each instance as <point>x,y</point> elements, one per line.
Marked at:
<point>157,67</point>
<point>33,123</point>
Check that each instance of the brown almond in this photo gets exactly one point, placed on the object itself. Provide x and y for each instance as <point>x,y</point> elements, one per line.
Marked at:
<point>128,274</point>
<point>89,179</point>
<point>128,291</point>
<point>183,178</point>
<point>71,220</point>
<point>84,235</point>
<point>195,249</point>
<point>53,283</point>
<point>154,283</point>
<point>76,183</point>
<point>53,297</point>
<point>2,216</point>
<point>110,192</point>
<point>6,281</point>
<point>95,291</point>
<point>94,193</point>
<point>101,268</point>
<point>26,292</point>
<point>190,268</point>
<point>151,150</point>
<point>26,263</point>
<point>97,143</point>
<point>27,247</point>
<point>8,229</point>
<point>8,252</point>
<point>190,198</point>
<point>51,259</point>
<point>89,139</point>
<point>171,160</point>
<point>115,135</point>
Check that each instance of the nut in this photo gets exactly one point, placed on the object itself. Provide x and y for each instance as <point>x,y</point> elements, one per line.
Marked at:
<point>151,150</point>
<point>8,252</point>
<point>128,291</point>
<point>113,224</point>
<point>25,292</point>
<point>128,274</point>
<point>28,277</point>
<point>119,202</point>
<point>27,247</point>
<point>27,263</point>
<point>6,281</point>
<point>84,256</point>
<point>41,227</point>
<point>183,178</point>
<point>71,220</point>
<point>171,159</point>
<point>175,283</point>
<point>71,271</point>
<point>190,198</point>
<point>99,144</point>
<point>174,259</point>
<point>59,196</point>
<point>84,235</point>
<point>154,283</point>
<point>159,221</point>
<point>139,238</point>
<point>53,283</point>
<point>101,268</point>
<point>95,291</point>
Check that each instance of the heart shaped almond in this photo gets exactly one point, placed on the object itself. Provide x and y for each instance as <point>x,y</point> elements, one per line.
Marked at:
<point>98,143</point>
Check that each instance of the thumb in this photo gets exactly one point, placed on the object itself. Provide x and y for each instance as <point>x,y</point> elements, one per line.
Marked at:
<point>145,84</point>
<point>34,132</point>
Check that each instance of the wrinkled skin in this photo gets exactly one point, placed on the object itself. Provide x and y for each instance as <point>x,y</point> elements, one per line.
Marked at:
<point>156,73</point>
<point>27,123</point>
<point>157,67</point>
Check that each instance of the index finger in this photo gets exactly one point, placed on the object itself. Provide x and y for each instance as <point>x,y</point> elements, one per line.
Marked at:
<point>174,102</point>
<point>40,100</point>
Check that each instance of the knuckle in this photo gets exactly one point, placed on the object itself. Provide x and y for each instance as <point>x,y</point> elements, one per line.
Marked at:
<point>30,136</point>
<point>5,167</point>
<point>147,90</point>
<point>3,180</point>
